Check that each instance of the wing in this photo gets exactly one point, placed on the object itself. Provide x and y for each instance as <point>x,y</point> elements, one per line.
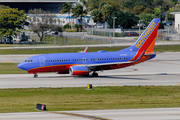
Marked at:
<point>115,63</point>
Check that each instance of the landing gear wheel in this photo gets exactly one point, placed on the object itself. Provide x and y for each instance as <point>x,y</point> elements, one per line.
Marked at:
<point>35,76</point>
<point>95,74</point>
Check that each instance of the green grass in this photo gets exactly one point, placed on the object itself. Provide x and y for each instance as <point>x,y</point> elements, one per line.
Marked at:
<point>163,48</point>
<point>59,50</point>
<point>10,68</point>
<point>62,99</point>
<point>174,48</point>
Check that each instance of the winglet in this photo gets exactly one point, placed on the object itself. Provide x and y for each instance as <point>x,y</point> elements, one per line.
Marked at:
<point>86,49</point>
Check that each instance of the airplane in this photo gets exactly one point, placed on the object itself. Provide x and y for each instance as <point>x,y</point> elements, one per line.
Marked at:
<point>84,63</point>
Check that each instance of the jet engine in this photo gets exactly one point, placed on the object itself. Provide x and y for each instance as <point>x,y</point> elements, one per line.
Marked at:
<point>79,70</point>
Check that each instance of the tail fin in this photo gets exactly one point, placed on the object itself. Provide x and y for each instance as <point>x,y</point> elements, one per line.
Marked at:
<point>148,38</point>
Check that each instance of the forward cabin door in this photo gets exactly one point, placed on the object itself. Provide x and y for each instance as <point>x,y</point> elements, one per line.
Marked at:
<point>42,61</point>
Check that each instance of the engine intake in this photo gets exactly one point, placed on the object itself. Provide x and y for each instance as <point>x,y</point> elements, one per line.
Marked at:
<point>78,70</point>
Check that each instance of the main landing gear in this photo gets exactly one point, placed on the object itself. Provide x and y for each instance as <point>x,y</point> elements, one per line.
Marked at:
<point>94,74</point>
<point>35,75</point>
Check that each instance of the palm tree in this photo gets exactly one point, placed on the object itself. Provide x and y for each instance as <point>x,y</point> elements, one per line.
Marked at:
<point>66,7</point>
<point>77,27</point>
<point>79,12</point>
<point>97,16</point>
<point>106,11</point>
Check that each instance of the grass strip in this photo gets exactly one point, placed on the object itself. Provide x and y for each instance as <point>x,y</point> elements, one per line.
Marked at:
<point>64,99</point>
<point>10,68</point>
<point>175,48</point>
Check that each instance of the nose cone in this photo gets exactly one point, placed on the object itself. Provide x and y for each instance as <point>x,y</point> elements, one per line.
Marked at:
<point>22,66</point>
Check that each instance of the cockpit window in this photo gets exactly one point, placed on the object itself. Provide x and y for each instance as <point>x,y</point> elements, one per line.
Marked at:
<point>28,61</point>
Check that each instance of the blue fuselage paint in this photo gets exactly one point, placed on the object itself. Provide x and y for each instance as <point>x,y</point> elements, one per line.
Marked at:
<point>74,58</point>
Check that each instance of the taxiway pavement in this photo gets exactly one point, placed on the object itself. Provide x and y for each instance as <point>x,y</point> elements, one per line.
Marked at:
<point>122,114</point>
<point>163,70</point>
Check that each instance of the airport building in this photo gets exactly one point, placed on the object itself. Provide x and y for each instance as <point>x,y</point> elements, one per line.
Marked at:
<point>61,19</point>
<point>177,20</point>
<point>47,5</point>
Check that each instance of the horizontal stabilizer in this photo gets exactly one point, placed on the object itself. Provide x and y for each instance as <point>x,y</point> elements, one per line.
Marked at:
<point>150,54</point>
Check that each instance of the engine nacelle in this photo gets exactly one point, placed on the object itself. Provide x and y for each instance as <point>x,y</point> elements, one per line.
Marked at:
<point>78,70</point>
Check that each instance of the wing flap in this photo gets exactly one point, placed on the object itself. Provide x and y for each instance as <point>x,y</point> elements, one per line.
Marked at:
<point>114,63</point>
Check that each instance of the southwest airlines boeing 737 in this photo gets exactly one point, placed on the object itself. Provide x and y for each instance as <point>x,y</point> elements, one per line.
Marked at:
<point>86,62</point>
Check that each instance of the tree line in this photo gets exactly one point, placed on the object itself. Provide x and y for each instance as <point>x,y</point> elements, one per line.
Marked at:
<point>133,10</point>
<point>12,20</point>
<point>127,12</point>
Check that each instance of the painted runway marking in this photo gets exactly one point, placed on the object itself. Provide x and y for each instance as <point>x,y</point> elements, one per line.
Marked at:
<point>68,85</point>
<point>115,84</point>
<point>81,115</point>
<point>7,61</point>
<point>178,84</point>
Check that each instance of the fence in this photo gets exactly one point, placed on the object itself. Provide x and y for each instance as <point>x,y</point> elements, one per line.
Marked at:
<point>104,32</point>
<point>168,33</point>
<point>112,32</point>
<point>56,40</point>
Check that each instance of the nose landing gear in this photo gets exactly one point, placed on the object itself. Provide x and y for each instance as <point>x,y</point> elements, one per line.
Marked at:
<point>35,75</point>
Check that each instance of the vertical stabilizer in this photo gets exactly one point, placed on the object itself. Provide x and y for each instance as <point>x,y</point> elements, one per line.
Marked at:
<point>148,38</point>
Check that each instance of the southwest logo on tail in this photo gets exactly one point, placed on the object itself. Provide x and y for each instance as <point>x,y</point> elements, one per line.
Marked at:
<point>85,62</point>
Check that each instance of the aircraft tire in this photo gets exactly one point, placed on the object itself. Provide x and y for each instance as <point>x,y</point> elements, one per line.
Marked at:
<point>95,74</point>
<point>35,76</point>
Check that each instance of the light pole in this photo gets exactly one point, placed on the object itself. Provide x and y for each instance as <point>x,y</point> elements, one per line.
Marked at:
<point>92,24</point>
<point>139,26</point>
<point>114,25</point>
